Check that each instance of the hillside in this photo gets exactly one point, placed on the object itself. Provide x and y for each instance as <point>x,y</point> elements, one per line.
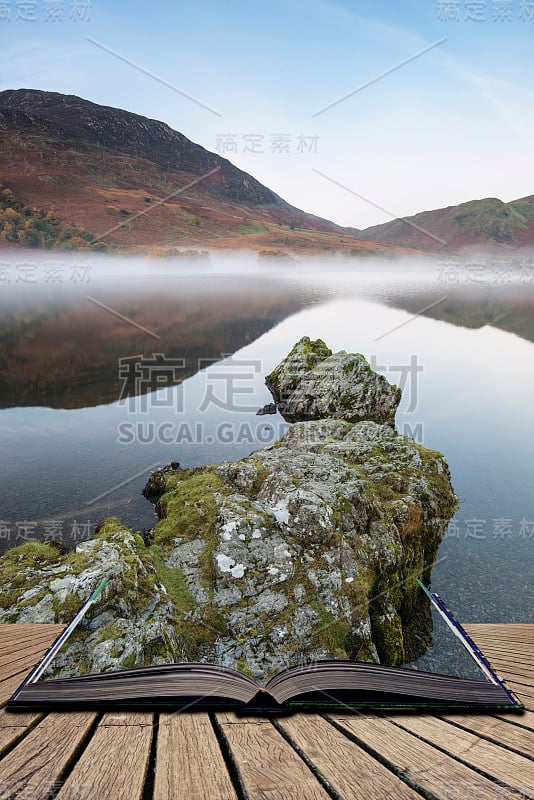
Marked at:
<point>96,168</point>
<point>489,225</point>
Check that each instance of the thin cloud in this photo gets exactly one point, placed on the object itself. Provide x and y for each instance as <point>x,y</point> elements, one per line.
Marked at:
<point>496,91</point>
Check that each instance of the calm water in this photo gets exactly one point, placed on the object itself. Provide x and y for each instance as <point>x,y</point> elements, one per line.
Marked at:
<point>73,452</point>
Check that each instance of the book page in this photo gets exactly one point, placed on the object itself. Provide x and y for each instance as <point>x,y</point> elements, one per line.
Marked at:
<point>446,655</point>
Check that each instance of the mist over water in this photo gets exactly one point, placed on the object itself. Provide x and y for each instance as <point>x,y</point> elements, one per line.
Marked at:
<point>81,424</point>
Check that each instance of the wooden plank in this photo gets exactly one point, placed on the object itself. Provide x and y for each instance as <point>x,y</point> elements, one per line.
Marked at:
<point>525,694</point>
<point>503,644</point>
<point>36,763</point>
<point>135,718</point>
<point>503,636</point>
<point>518,648</point>
<point>14,669</point>
<point>509,652</point>
<point>14,719</point>
<point>516,671</point>
<point>424,766</point>
<point>526,719</point>
<point>499,662</point>
<point>507,629</point>
<point>17,667</point>
<point>519,652</point>
<point>522,687</point>
<point>12,646</point>
<point>26,637</point>
<point>189,761</point>
<point>498,730</point>
<point>18,628</point>
<point>8,686</point>
<point>504,632</point>
<point>26,661</point>
<point>9,626</point>
<point>31,633</point>
<point>114,763</point>
<point>503,765</point>
<point>524,671</point>
<point>13,672</point>
<point>29,655</point>
<point>510,629</point>
<point>267,764</point>
<point>10,629</point>
<point>13,726</point>
<point>25,651</point>
<point>513,628</point>
<point>347,768</point>
<point>512,625</point>
<point>500,657</point>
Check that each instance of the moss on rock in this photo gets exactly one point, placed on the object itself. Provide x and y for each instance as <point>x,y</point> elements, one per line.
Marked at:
<point>306,549</point>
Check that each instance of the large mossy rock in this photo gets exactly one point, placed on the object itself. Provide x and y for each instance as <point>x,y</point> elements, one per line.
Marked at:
<point>314,383</point>
<point>133,621</point>
<point>309,548</point>
<point>306,549</point>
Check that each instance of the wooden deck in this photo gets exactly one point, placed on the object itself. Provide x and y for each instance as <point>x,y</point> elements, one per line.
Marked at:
<point>143,756</point>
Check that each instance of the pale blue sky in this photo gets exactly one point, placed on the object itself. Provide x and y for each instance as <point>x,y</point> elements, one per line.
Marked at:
<point>451,125</point>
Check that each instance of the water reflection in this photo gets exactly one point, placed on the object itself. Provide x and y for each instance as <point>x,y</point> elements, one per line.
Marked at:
<point>62,351</point>
<point>468,393</point>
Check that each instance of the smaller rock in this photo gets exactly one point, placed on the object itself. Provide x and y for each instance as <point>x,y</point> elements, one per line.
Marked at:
<point>268,408</point>
<point>311,383</point>
<point>157,483</point>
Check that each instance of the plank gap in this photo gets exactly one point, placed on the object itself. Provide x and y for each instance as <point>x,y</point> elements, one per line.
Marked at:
<point>399,773</point>
<point>72,761</point>
<point>327,786</point>
<point>231,764</point>
<point>487,736</point>
<point>519,721</point>
<point>479,770</point>
<point>150,777</point>
<point>23,730</point>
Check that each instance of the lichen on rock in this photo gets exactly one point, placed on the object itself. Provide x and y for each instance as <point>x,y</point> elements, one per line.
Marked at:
<point>306,549</point>
<point>133,621</point>
<point>313,546</point>
<point>314,383</point>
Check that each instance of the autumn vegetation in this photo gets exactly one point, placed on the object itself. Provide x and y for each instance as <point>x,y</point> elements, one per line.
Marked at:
<point>32,227</point>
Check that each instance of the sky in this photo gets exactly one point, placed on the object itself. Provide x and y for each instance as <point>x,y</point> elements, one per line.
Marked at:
<point>357,112</point>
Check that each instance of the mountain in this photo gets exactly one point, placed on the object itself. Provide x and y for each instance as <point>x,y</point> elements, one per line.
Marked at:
<point>489,225</point>
<point>96,168</point>
<point>74,171</point>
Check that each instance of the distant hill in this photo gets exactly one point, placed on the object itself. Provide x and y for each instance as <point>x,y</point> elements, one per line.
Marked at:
<point>95,168</point>
<point>488,225</point>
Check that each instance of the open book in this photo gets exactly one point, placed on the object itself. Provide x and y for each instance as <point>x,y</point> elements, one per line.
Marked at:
<point>320,685</point>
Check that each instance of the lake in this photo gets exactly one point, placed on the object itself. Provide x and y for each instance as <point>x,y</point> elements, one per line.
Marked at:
<point>113,366</point>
